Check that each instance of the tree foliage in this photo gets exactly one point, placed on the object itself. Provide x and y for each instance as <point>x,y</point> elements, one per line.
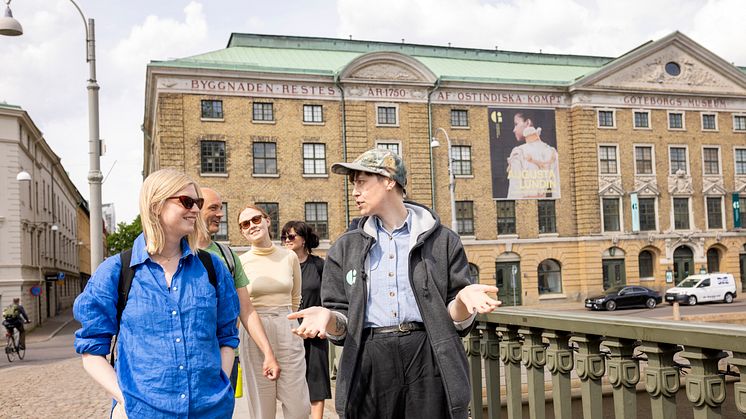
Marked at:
<point>124,237</point>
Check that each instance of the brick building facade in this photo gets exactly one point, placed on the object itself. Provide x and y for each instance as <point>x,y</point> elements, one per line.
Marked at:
<point>640,163</point>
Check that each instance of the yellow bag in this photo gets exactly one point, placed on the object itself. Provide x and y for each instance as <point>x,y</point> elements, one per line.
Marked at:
<point>239,383</point>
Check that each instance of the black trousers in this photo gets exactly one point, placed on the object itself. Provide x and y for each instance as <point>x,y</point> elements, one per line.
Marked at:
<point>397,377</point>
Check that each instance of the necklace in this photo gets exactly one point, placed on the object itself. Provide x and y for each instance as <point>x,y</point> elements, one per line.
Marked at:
<point>168,258</point>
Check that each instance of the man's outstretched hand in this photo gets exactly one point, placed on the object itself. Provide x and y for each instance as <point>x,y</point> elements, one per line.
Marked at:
<point>315,322</point>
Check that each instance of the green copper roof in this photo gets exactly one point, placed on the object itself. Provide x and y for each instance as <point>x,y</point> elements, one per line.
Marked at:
<point>326,56</point>
<point>9,106</point>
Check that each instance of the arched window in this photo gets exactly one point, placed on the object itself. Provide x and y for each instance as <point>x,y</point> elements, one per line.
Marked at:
<point>473,273</point>
<point>645,261</point>
<point>713,260</point>
<point>550,277</point>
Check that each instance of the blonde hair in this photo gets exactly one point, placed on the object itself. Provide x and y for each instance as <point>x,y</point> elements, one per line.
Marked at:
<point>159,186</point>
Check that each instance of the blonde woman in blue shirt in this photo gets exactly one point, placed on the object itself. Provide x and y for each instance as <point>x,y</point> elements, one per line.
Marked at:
<point>178,330</point>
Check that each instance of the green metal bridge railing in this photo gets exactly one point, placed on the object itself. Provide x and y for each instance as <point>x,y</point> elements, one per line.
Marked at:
<point>591,346</point>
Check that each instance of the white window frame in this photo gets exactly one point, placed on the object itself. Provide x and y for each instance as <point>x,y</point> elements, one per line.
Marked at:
<point>264,121</point>
<point>388,105</point>
<point>398,143</point>
<point>655,209</point>
<point>616,155</point>
<point>652,157</point>
<point>735,161</point>
<point>650,120</point>
<point>720,160</point>
<point>683,120</point>
<point>733,118</point>
<point>686,152</point>
<point>722,213</point>
<point>450,117</point>
<point>613,118</point>
<point>673,219</point>
<point>702,121</point>
<point>303,159</point>
<point>471,161</point>
<point>303,114</point>
<point>621,214</point>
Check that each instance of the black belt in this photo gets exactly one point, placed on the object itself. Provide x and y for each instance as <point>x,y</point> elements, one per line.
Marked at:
<point>401,329</point>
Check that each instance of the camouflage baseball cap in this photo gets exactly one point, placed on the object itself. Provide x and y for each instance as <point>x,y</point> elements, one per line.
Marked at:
<point>380,161</point>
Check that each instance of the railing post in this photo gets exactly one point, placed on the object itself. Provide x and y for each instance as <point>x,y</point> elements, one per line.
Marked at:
<point>491,355</point>
<point>560,363</point>
<point>590,368</point>
<point>624,374</point>
<point>661,378</point>
<point>475,371</point>
<point>510,355</point>
<point>534,358</point>
<point>705,388</point>
<point>739,388</point>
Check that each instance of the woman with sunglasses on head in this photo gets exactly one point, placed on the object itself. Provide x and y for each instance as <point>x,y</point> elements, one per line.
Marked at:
<point>275,291</point>
<point>178,328</point>
<point>300,238</point>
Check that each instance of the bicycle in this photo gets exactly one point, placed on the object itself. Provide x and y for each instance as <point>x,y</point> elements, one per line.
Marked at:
<point>13,349</point>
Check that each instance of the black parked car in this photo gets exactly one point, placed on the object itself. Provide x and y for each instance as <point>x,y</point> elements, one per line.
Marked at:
<point>623,297</point>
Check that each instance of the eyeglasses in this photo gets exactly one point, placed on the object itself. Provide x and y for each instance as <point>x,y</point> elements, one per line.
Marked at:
<point>188,202</point>
<point>253,220</point>
<point>289,237</point>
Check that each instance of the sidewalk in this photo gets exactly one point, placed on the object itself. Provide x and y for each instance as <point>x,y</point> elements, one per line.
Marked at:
<point>48,329</point>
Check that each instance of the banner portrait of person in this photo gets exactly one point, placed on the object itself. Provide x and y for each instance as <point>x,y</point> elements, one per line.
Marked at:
<point>523,152</point>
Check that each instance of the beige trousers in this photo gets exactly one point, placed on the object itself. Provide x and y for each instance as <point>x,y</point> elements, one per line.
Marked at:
<point>291,388</point>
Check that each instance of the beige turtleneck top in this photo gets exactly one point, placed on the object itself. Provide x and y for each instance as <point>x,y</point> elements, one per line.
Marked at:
<point>275,277</point>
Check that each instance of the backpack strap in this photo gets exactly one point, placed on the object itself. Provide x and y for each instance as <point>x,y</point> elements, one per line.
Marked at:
<point>126,275</point>
<point>228,257</point>
<point>206,259</point>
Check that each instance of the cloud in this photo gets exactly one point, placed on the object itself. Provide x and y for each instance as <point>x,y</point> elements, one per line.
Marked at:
<point>584,27</point>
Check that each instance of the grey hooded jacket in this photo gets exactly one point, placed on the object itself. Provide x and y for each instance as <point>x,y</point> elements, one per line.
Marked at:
<point>438,270</point>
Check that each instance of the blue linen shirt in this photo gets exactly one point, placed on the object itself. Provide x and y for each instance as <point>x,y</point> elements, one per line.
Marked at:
<point>168,350</point>
<point>391,300</point>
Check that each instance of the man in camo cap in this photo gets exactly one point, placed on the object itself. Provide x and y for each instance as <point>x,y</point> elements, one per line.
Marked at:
<point>396,294</point>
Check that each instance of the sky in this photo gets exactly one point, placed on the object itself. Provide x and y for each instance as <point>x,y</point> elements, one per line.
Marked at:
<point>44,70</point>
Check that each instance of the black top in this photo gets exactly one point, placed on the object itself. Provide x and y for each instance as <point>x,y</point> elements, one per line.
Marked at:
<point>311,271</point>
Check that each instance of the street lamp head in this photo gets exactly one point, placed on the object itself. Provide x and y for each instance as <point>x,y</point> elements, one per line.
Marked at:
<point>8,25</point>
<point>55,227</point>
<point>434,143</point>
<point>23,176</point>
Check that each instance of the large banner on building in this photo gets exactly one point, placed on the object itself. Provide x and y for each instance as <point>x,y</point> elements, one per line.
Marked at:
<point>523,151</point>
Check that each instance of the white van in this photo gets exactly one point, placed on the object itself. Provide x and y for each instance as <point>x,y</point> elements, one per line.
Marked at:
<point>703,288</point>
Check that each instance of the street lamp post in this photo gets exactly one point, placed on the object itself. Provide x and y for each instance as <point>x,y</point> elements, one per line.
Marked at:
<point>11,27</point>
<point>451,177</point>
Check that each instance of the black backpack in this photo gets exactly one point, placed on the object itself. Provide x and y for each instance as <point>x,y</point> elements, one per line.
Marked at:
<point>127,274</point>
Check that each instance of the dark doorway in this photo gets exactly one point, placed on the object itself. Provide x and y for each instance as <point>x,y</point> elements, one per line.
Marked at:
<point>683,263</point>
<point>508,282</point>
<point>613,273</point>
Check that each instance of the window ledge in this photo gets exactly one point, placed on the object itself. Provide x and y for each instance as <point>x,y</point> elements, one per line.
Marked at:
<point>212,119</point>
<point>460,127</point>
<point>604,127</point>
<point>318,175</point>
<point>548,235</point>
<point>214,174</point>
<point>314,123</point>
<point>387,125</point>
<point>265,175</point>
<point>507,236</point>
<point>677,129</point>
<point>464,176</point>
<point>710,130</point>
<point>647,279</point>
<point>272,122</point>
<point>468,236</point>
<point>552,297</point>
<point>642,128</point>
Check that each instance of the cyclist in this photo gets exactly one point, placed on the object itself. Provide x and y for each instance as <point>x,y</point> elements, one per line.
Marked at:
<point>15,316</point>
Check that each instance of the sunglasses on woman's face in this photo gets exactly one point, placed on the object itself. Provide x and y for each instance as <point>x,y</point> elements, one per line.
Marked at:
<point>253,220</point>
<point>188,202</point>
<point>288,237</point>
